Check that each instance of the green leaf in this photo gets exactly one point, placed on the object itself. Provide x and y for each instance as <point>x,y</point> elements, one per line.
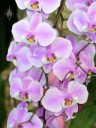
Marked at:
<point>87,117</point>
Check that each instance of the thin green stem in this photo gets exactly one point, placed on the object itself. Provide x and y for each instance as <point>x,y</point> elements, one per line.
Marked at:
<point>46,76</point>
<point>83,48</point>
<point>58,13</point>
<point>41,76</point>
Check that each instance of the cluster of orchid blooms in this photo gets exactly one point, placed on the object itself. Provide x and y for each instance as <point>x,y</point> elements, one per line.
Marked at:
<point>51,71</point>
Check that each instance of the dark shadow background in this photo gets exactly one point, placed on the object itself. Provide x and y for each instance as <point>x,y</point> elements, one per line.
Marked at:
<point>5,38</point>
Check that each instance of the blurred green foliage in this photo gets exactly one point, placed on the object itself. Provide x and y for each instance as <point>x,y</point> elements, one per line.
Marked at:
<point>2,106</point>
<point>87,117</point>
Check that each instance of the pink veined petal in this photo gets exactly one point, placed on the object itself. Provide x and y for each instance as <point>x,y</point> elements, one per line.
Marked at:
<point>49,6</point>
<point>26,82</point>
<point>18,115</point>
<point>93,69</point>
<point>11,120</point>
<point>62,47</point>
<point>82,75</point>
<point>72,39</point>
<point>87,60</point>
<point>23,63</point>
<point>71,25</point>
<point>12,76</point>
<point>80,22</point>
<point>22,105</point>
<point>11,50</point>
<point>45,34</point>
<point>27,125</point>
<point>77,46</point>
<point>20,4</point>
<point>90,49</point>
<point>78,90</point>
<point>81,44</point>
<point>47,68</point>
<point>70,111</point>
<point>35,90</point>
<point>23,115</point>
<point>20,28</point>
<point>71,4</point>
<point>52,100</point>
<point>35,21</point>
<point>16,87</point>
<point>87,56</point>
<point>60,69</point>
<point>81,6</point>
<point>92,12</point>
<point>35,61</point>
<point>58,122</point>
<point>37,123</point>
<point>27,116</point>
<point>52,79</point>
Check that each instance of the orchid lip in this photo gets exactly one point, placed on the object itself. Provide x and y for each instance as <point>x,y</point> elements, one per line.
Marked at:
<point>50,59</point>
<point>35,7</point>
<point>70,75</point>
<point>68,103</point>
<point>29,39</point>
<point>24,98</point>
<point>93,29</point>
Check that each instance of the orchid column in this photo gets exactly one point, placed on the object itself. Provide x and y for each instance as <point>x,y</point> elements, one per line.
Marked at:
<point>51,72</point>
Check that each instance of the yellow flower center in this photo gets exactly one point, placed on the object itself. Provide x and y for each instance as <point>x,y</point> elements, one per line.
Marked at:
<point>68,102</point>
<point>52,58</point>
<point>35,5</point>
<point>25,97</point>
<point>90,72</point>
<point>31,39</point>
<point>93,28</point>
<point>71,75</point>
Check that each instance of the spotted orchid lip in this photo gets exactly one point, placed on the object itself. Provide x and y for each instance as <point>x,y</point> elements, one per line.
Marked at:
<point>24,98</point>
<point>70,102</point>
<point>29,39</point>
<point>35,6</point>
<point>50,59</point>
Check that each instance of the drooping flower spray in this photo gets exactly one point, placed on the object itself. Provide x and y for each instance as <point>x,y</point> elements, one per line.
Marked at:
<point>51,72</point>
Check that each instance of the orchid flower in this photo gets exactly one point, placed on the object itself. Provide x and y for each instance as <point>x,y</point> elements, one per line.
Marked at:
<point>26,89</point>
<point>34,31</point>
<point>78,4</point>
<point>18,116</point>
<point>39,5</point>
<point>86,25</point>
<point>56,100</point>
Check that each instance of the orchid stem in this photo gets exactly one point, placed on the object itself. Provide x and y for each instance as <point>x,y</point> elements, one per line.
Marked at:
<point>83,48</point>
<point>86,72</point>
<point>46,76</point>
<point>58,13</point>
<point>41,76</point>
